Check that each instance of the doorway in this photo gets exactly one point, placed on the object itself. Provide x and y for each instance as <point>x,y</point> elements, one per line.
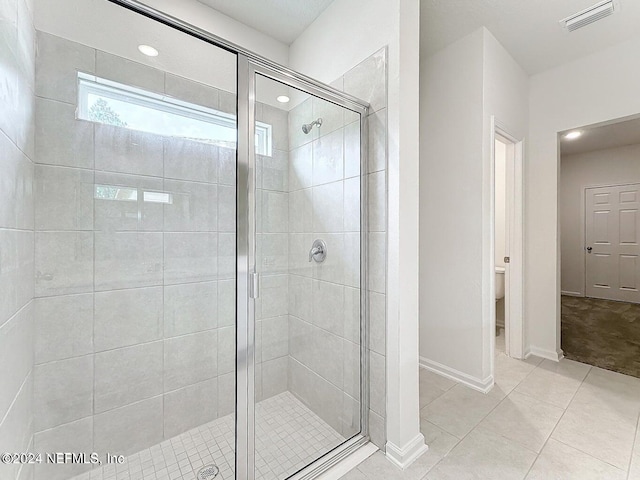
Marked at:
<point>599,201</point>
<point>507,244</point>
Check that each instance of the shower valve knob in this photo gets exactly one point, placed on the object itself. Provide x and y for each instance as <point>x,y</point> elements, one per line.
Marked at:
<point>318,251</point>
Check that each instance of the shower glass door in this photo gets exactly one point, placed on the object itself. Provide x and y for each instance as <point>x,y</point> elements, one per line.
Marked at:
<point>306,254</point>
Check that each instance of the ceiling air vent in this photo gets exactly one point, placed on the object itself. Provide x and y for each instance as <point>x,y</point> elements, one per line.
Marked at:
<point>589,15</point>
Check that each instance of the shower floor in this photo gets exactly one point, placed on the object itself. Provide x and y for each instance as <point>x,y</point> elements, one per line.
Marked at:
<point>288,437</point>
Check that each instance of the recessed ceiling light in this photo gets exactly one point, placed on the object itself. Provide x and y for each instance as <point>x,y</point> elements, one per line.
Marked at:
<point>148,50</point>
<point>573,135</point>
<point>283,99</point>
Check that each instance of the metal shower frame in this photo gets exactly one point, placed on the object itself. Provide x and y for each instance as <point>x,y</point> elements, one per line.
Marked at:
<point>249,65</point>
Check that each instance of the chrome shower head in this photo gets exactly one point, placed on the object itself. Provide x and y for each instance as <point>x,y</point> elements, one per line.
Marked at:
<point>306,128</point>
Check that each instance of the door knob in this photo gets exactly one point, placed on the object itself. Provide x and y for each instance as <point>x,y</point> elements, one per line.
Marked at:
<point>589,249</point>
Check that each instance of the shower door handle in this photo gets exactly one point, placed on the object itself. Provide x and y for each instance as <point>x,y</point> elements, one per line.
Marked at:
<point>254,285</point>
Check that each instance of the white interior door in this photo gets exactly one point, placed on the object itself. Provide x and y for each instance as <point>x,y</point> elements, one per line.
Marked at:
<point>612,246</point>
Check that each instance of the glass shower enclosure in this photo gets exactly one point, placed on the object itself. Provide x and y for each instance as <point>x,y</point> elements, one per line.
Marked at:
<point>200,246</point>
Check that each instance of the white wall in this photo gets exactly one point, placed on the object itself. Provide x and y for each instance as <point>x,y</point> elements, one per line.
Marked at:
<point>500,201</point>
<point>597,88</point>
<point>611,166</point>
<point>345,34</point>
<point>455,199</point>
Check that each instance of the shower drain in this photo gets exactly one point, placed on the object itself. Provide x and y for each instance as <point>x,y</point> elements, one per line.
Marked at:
<point>208,472</point>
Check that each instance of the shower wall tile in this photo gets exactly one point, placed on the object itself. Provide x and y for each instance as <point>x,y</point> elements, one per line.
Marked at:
<point>190,359</point>
<point>367,81</point>
<point>191,160</point>
<point>226,256</point>
<point>64,198</point>
<point>275,212</point>
<point>328,306</point>
<point>352,329</point>
<point>190,257</point>
<point>278,119</point>
<point>299,246</point>
<point>273,252</point>
<point>298,116</point>
<point>25,115</point>
<point>226,209</point>
<point>328,160</point>
<point>300,293</point>
<point>16,354</point>
<point>332,269</point>
<point>350,417</point>
<point>16,187</point>
<point>351,259</point>
<point>377,201</point>
<point>193,207</point>
<point>16,428</point>
<point>377,324</point>
<point>189,407</point>
<point>377,262</point>
<point>190,308</point>
<point>275,375</point>
<point>275,171</point>
<point>63,392</point>
<point>63,327</point>
<point>226,303</point>
<point>275,338</point>
<point>352,160</point>
<point>63,263</point>
<point>328,208</point>
<point>127,260</point>
<point>377,383</point>
<point>120,204</point>
<point>127,375</point>
<point>273,300</point>
<point>226,394</point>
<point>128,72</point>
<point>226,349</point>
<point>189,91</point>
<point>227,166</point>
<point>57,63</point>
<point>123,150</point>
<point>72,437</point>
<point>127,317</point>
<point>331,114</point>
<point>16,275</point>
<point>60,138</point>
<point>351,369</point>
<point>301,211</point>
<point>129,429</point>
<point>352,204</point>
<point>301,167</point>
<point>378,141</point>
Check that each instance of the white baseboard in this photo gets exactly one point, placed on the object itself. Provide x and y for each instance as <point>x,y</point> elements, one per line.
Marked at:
<point>542,353</point>
<point>352,461</point>
<point>481,385</point>
<point>571,294</point>
<point>405,456</point>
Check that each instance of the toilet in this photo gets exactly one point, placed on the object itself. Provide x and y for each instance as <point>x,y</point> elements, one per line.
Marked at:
<point>499,283</point>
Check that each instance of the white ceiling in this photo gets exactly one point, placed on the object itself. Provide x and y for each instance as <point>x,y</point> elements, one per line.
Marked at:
<point>283,20</point>
<point>528,29</point>
<point>600,137</point>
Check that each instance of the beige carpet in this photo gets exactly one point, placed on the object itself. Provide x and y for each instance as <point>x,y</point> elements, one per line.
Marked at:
<point>602,333</point>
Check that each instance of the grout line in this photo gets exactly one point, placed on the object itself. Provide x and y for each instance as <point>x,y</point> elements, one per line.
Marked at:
<point>636,439</point>
<point>558,423</point>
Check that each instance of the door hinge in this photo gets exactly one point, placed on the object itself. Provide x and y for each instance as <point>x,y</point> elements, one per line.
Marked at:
<point>254,285</point>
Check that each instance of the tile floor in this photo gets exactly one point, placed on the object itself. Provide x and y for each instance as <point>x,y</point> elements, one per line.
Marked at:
<point>288,437</point>
<point>543,420</point>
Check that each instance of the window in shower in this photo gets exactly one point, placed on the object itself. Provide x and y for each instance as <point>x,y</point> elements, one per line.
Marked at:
<point>104,101</point>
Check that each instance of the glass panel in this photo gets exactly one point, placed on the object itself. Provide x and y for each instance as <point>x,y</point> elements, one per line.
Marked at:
<point>308,369</point>
<point>135,251</point>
